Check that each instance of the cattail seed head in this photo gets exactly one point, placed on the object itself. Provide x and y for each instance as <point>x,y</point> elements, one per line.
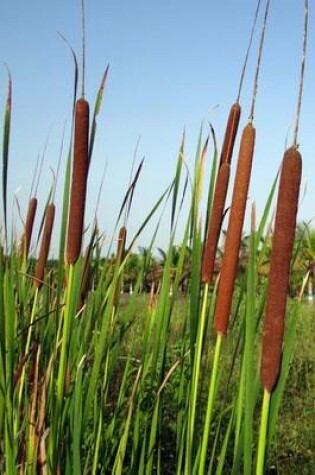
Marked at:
<point>121,244</point>
<point>220,192</point>
<point>45,245</point>
<point>30,217</point>
<point>282,245</point>
<point>120,254</point>
<point>234,230</point>
<point>230,133</point>
<point>215,223</point>
<point>79,181</point>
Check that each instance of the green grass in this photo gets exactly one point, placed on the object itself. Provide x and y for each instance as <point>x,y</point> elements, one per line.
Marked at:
<point>294,446</point>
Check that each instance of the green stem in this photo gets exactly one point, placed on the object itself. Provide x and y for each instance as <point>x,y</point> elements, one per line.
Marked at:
<point>65,341</point>
<point>210,404</point>
<point>263,433</point>
<point>28,343</point>
<point>195,379</point>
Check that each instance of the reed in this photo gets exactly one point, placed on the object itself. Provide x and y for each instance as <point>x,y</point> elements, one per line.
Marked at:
<point>219,197</point>
<point>230,133</point>
<point>79,181</point>
<point>282,245</point>
<point>221,187</point>
<point>234,230</point>
<point>281,253</point>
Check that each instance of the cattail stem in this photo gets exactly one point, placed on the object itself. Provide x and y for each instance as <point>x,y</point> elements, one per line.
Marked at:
<point>263,433</point>
<point>210,404</point>
<point>234,230</point>
<point>28,343</point>
<point>261,44</point>
<point>299,101</point>
<point>196,375</point>
<point>247,52</point>
<point>45,245</point>
<point>65,341</point>
<point>83,46</point>
<point>79,181</point>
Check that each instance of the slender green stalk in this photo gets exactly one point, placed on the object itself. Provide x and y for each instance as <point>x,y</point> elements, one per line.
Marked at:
<point>195,381</point>
<point>263,433</point>
<point>28,343</point>
<point>65,340</point>
<point>210,404</point>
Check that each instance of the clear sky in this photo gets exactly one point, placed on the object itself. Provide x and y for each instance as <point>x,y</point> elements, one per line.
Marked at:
<point>172,63</point>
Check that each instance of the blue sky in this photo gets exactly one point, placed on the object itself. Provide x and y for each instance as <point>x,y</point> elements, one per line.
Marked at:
<point>172,63</point>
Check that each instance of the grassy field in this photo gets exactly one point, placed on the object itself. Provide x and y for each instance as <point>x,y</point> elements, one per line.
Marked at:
<point>293,449</point>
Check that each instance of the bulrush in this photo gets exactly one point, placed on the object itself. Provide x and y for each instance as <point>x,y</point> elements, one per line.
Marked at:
<point>234,230</point>
<point>221,187</point>
<point>121,245</point>
<point>282,245</point>
<point>220,192</point>
<point>215,222</point>
<point>27,235</point>
<point>230,133</point>
<point>45,245</point>
<point>79,181</point>
<point>281,253</point>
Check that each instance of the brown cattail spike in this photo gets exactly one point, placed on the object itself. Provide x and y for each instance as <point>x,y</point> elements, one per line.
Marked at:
<point>220,192</point>
<point>215,223</point>
<point>282,245</point>
<point>45,245</point>
<point>234,231</point>
<point>121,244</point>
<point>230,133</point>
<point>26,239</point>
<point>79,181</point>
<point>121,249</point>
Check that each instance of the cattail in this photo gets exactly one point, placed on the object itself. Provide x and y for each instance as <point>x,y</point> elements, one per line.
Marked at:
<point>215,222</point>
<point>30,217</point>
<point>45,245</point>
<point>121,245</point>
<point>230,133</point>
<point>282,245</point>
<point>234,231</point>
<point>79,181</point>
<point>220,192</point>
